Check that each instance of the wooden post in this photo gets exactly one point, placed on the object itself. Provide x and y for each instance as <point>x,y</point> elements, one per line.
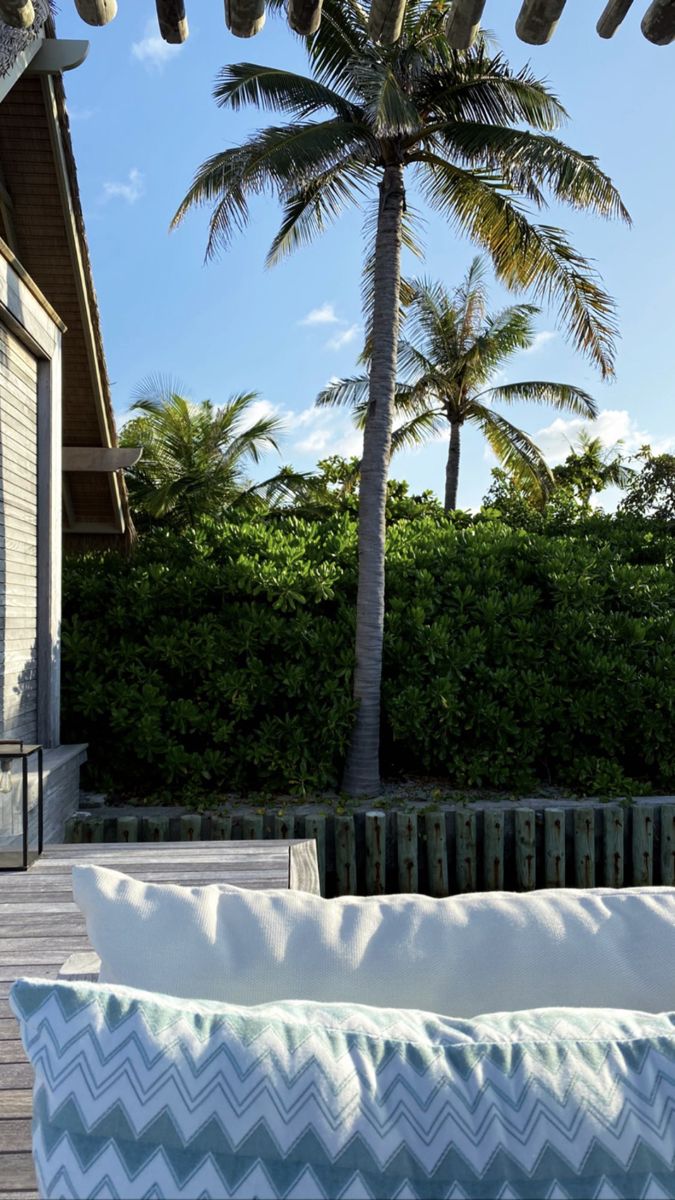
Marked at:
<point>612,17</point>
<point>437,853</point>
<point>554,847</point>
<point>584,847</point>
<point>538,19</point>
<point>172,21</point>
<point>73,831</point>
<point>465,824</point>
<point>221,827</point>
<point>376,850</point>
<point>245,18</point>
<point>613,846</point>
<point>345,856</point>
<point>406,839</point>
<point>463,23</point>
<point>643,845</point>
<point>156,829</point>
<point>20,14</point>
<point>190,827</point>
<point>304,16</point>
<point>315,829</point>
<point>252,827</point>
<point>386,20</point>
<point>97,12</point>
<point>493,850</point>
<point>668,845</point>
<point>526,850</point>
<point>284,827</point>
<point>658,23</point>
<point>127,829</point>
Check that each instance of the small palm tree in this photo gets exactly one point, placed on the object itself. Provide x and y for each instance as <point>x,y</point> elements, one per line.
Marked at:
<point>451,350</point>
<point>195,456</point>
<point>477,138</point>
<point>591,467</point>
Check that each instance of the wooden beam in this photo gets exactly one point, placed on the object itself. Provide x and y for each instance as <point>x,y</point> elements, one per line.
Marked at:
<point>463,23</point>
<point>537,20</point>
<point>173,24</point>
<point>56,55</point>
<point>244,18</point>
<point>304,16</point>
<point>386,20</point>
<point>97,12</point>
<point>658,23</point>
<point>20,14</point>
<point>99,458</point>
<point>612,17</point>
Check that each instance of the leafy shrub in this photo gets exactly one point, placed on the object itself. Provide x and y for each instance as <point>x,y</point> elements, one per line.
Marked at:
<point>222,660</point>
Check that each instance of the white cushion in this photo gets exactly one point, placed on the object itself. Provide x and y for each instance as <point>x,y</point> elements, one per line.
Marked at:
<point>461,956</point>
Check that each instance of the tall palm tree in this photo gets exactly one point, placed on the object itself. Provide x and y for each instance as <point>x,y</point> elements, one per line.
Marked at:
<point>451,350</point>
<point>195,456</point>
<point>477,137</point>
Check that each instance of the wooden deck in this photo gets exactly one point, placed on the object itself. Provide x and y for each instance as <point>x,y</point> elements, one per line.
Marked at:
<point>40,927</point>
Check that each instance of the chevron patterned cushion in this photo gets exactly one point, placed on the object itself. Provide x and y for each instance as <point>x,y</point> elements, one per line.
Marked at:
<point>140,1095</point>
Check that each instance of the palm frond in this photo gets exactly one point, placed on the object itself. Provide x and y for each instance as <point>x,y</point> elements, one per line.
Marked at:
<point>514,449</point>
<point>279,91</point>
<point>309,211</point>
<point>418,430</point>
<point>345,393</point>
<point>562,396</point>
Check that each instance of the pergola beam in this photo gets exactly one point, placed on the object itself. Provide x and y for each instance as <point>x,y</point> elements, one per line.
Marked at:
<point>537,20</point>
<point>99,458</point>
<point>20,14</point>
<point>386,20</point>
<point>304,16</point>
<point>463,23</point>
<point>612,17</point>
<point>658,23</point>
<point>244,18</point>
<point>172,20</point>
<point>97,12</point>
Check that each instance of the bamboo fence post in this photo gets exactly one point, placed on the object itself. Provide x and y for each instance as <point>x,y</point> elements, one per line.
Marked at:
<point>315,828</point>
<point>376,846</point>
<point>643,845</point>
<point>437,853</point>
<point>613,867</point>
<point>127,829</point>
<point>406,844</point>
<point>156,829</point>
<point>221,827</point>
<point>190,827</point>
<point>466,851</point>
<point>668,844</point>
<point>345,856</point>
<point>284,827</point>
<point>554,847</point>
<point>493,850</point>
<point>584,847</point>
<point>526,850</point>
<point>252,827</point>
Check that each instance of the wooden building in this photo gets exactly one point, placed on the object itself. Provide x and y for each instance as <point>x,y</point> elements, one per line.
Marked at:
<point>60,470</point>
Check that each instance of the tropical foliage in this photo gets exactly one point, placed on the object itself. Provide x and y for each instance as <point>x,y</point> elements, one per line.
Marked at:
<point>196,457</point>
<point>478,138</point>
<point>451,350</point>
<point>651,490</point>
<point>221,660</point>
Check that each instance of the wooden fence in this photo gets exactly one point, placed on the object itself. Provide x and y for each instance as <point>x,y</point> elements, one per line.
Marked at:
<point>463,849</point>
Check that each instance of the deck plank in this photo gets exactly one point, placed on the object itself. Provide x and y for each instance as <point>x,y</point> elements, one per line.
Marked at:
<point>40,926</point>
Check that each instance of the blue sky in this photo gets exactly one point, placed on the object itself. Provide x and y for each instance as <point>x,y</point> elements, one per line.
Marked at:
<point>143,119</point>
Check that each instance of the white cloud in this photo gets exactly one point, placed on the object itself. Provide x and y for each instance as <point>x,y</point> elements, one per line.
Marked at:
<point>611,426</point>
<point>344,337</point>
<point>541,339</point>
<point>324,315</point>
<point>324,431</point>
<point>151,50</point>
<point>81,114</point>
<point>130,190</point>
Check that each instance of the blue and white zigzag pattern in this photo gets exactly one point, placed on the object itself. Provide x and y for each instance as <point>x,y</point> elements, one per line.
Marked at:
<point>147,1096</point>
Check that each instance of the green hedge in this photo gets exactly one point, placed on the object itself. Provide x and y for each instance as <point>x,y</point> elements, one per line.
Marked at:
<point>222,660</point>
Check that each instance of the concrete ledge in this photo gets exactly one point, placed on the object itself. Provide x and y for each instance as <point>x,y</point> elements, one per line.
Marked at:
<point>62,787</point>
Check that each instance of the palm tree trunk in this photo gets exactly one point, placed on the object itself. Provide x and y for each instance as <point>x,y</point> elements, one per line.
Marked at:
<point>362,769</point>
<point>452,468</point>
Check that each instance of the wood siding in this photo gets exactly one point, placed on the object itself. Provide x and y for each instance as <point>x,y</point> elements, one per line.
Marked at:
<point>18,539</point>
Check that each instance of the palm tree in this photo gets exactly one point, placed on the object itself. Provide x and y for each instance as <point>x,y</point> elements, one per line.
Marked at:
<point>477,137</point>
<point>591,467</point>
<point>195,456</point>
<point>451,350</point>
